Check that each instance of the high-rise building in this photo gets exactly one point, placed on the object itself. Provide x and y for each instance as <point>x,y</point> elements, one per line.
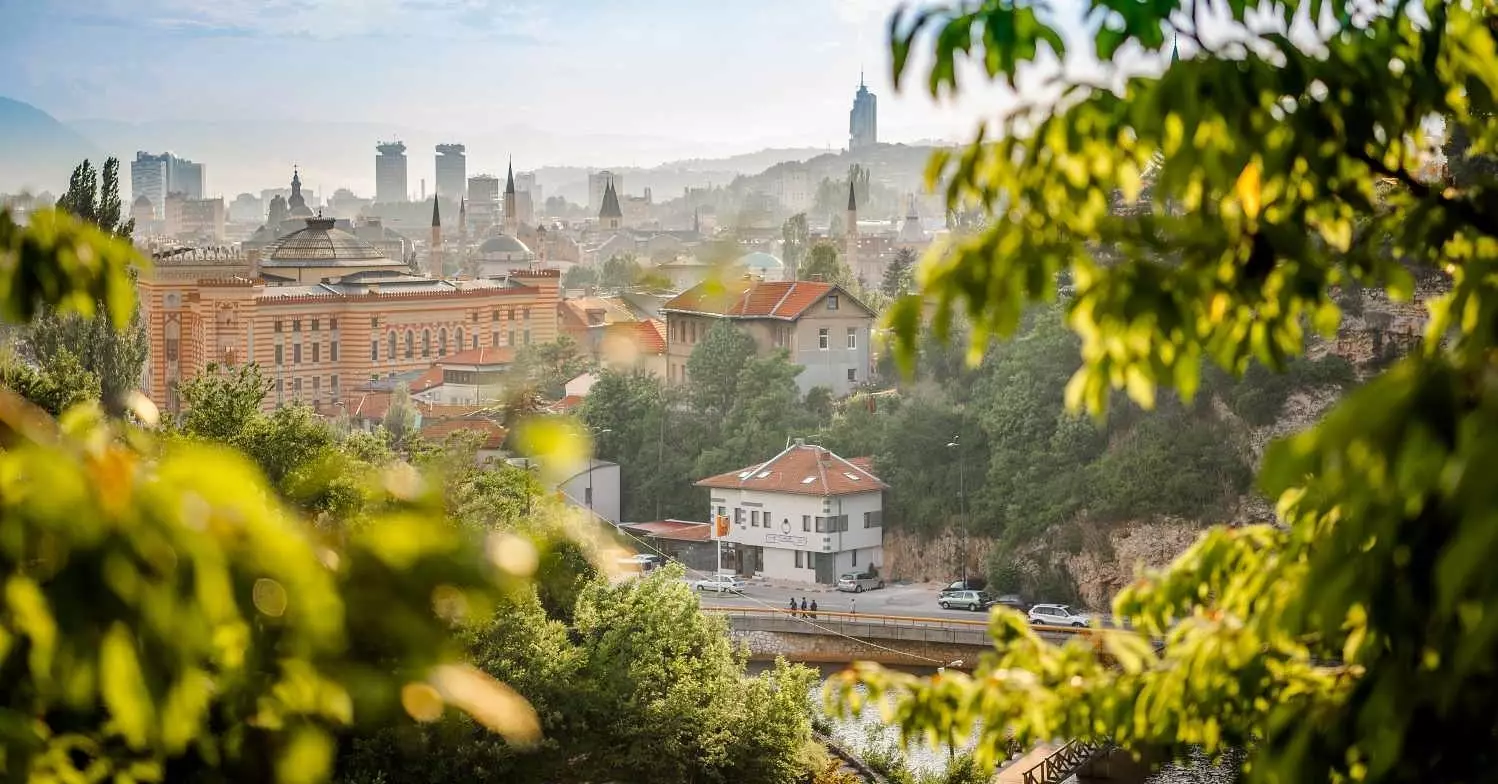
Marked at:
<point>247,209</point>
<point>525,182</point>
<point>863,120</point>
<point>452,171</point>
<point>156,176</point>
<point>390,173</point>
<point>483,203</point>
<point>597,183</point>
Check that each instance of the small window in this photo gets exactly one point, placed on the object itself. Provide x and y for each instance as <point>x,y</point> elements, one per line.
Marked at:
<point>442,342</point>
<point>316,350</point>
<point>823,340</point>
<point>393,348</point>
<point>496,315</point>
<point>459,341</point>
<point>738,516</point>
<point>296,325</point>
<point>494,340</point>
<point>296,354</point>
<point>832,302</point>
<point>333,351</point>
<point>374,351</point>
<point>852,374</point>
<point>374,321</point>
<point>754,519</point>
<point>426,343</point>
<point>280,354</point>
<point>806,522</point>
<point>855,556</point>
<point>332,323</point>
<point>316,324</point>
<point>278,326</point>
<point>798,559</point>
<point>410,344</point>
<point>852,338</point>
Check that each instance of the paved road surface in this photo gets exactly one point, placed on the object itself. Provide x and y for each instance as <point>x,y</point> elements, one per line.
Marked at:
<point>917,600</point>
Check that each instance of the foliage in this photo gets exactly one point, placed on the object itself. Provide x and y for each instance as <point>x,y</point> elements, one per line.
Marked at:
<point>713,368</point>
<point>1262,393</point>
<point>620,272</point>
<point>652,435</point>
<point>580,277</point>
<point>796,236</point>
<point>222,401</point>
<point>66,263</point>
<point>766,413</point>
<point>401,417</point>
<point>825,263</point>
<point>55,387</point>
<point>1351,642</point>
<point>644,688</point>
<point>89,199</point>
<point>549,366</point>
<point>899,275</point>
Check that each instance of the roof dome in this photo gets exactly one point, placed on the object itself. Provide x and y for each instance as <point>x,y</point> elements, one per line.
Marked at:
<point>503,243</point>
<point>762,261</point>
<point>142,201</point>
<point>322,245</point>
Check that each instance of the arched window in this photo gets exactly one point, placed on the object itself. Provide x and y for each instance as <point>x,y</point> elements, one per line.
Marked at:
<point>460,338</point>
<point>410,344</point>
<point>394,348</point>
<point>426,343</point>
<point>442,342</point>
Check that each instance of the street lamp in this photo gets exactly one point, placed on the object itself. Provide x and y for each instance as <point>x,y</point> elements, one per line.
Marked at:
<point>592,464</point>
<point>961,500</point>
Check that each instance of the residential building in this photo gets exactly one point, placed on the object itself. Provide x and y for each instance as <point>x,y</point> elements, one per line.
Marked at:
<point>201,220</point>
<point>593,487</point>
<point>390,173</point>
<point>525,183</point>
<point>483,204</point>
<point>452,172</point>
<point>805,515</point>
<point>323,312</point>
<point>684,541</point>
<point>610,332</point>
<point>863,120</point>
<point>247,209</point>
<point>823,327</point>
<point>471,377</point>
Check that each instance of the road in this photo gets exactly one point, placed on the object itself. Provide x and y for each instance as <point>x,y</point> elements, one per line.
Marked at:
<point>917,600</point>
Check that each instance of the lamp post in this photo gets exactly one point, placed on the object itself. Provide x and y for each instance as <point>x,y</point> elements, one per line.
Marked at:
<point>592,464</point>
<point>961,500</point>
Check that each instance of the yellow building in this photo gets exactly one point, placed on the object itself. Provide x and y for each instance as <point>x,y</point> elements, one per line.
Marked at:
<point>323,312</point>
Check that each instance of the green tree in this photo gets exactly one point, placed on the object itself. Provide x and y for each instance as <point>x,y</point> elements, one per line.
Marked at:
<point>899,275</point>
<point>1348,643</point>
<point>713,368</point>
<point>653,437</point>
<point>63,383</point>
<point>796,236</point>
<point>580,277</point>
<point>549,366</point>
<point>89,199</point>
<point>825,263</point>
<point>620,272</point>
<point>766,413</point>
<point>222,401</point>
<point>401,417</point>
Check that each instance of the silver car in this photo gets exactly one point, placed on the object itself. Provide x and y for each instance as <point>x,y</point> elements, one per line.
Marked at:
<point>965,600</point>
<point>1057,615</point>
<point>858,583</point>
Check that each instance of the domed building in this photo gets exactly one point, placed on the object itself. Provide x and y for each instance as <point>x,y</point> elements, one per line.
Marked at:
<point>763,265</point>
<point>502,254</point>
<point>319,251</point>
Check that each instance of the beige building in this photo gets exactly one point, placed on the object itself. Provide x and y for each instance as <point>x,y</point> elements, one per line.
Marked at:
<point>823,327</point>
<point>324,313</point>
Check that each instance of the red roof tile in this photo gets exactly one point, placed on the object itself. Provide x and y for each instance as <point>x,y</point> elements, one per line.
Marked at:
<point>489,355</point>
<point>566,404</point>
<point>431,377</point>
<point>754,298</point>
<point>492,432</point>
<point>676,530</point>
<point>803,470</point>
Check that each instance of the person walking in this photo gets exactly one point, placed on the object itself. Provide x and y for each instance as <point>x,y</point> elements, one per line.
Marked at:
<point>803,607</point>
<point>853,606</point>
<point>793,606</point>
<point>813,609</point>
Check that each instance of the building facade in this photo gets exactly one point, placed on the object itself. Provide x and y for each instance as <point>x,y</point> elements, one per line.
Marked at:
<point>390,173</point>
<point>824,328</point>
<point>452,172</point>
<point>157,176</point>
<point>805,515</point>
<point>863,119</point>
<point>483,204</point>
<point>323,313</point>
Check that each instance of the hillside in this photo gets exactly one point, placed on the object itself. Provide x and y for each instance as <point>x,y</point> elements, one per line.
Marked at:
<point>36,151</point>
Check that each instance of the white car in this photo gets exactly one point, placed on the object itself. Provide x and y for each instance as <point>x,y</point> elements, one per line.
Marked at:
<point>721,584</point>
<point>1057,615</point>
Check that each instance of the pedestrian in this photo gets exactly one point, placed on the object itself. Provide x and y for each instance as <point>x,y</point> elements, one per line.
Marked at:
<point>803,607</point>
<point>813,609</point>
<point>793,606</point>
<point>853,606</point>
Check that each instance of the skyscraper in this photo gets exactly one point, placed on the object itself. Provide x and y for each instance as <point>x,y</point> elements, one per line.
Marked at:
<point>390,173</point>
<point>452,171</point>
<point>863,120</point>
<point>483,203</point>
<point>157,176</point>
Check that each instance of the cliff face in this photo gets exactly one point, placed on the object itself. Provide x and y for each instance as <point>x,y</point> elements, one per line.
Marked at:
<point>1079,560</point>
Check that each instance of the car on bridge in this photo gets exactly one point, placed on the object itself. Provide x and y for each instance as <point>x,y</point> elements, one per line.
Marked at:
<point>721,583</point>
<point>858,583</point>
<point>970,584</point>
<point>1057,615</point>
<point>965,600</point>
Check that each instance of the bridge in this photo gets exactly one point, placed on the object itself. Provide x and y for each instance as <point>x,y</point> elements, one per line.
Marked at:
<point>842,637</point>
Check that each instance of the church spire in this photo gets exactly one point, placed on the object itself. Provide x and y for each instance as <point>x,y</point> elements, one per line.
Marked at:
<point>510,177</point>
<point>852,199</point>
<point>436,213</point>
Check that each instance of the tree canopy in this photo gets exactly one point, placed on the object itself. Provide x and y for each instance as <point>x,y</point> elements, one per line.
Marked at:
<point>1351,642</point>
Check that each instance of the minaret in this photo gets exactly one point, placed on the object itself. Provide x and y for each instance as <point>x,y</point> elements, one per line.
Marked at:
<point>850,231</point>
<point>434,258</point>
<point>512,216</point>
<point>463,236</point>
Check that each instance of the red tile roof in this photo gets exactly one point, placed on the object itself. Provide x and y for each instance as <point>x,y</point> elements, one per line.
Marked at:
<point>676,530</point>
<point>489,355</point>
<point>866,463</point>
<point>803,470</point>
<point>431,377</point>
<point>566,404</point>
<point>492,432</point>
<point>787,300</point>
<point>647,337</point>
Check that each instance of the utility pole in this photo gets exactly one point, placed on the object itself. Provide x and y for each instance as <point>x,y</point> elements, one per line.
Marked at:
<point>961,501</point>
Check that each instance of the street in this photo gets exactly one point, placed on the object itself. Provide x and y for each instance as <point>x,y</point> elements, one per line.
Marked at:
<point>916,599</point>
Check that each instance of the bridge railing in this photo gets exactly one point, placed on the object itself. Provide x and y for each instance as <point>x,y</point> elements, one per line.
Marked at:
<point>875,619</point>
<point>1062,763</point>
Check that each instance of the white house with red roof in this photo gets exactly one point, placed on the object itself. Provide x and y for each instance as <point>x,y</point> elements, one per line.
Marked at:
<point>825,328</point>
<point>805,515</point>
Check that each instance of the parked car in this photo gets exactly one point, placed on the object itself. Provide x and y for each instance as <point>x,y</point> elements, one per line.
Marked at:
<point>645,561</point>
<point>721,584</point>
<point>970,584</point>
<point>1013,602</point>
<point>858,583</point>
<point>965,600</point>
<point>1057,615</point>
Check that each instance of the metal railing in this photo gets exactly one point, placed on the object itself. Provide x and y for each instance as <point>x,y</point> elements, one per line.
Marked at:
<point>875,619</point>
<point>1062,763</point>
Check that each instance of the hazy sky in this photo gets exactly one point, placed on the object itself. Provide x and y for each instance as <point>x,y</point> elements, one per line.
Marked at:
<point>741,74</point>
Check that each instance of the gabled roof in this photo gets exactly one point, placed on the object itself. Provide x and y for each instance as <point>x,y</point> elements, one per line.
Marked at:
<point>480,357</point>
<point>610,208</point>
<point>675,530</point>
<point>787,300</point>
<point>802,469</point>
<point>492,433</point>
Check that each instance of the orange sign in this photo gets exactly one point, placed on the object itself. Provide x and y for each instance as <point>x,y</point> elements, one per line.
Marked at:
<point>722,526</point>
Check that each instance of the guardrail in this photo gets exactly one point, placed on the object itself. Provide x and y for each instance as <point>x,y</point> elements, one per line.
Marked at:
<point>1062,763</point>
<point>904,621</point>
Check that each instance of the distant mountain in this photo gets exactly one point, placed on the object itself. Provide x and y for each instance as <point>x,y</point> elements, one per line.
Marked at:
<point>36,151</point>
